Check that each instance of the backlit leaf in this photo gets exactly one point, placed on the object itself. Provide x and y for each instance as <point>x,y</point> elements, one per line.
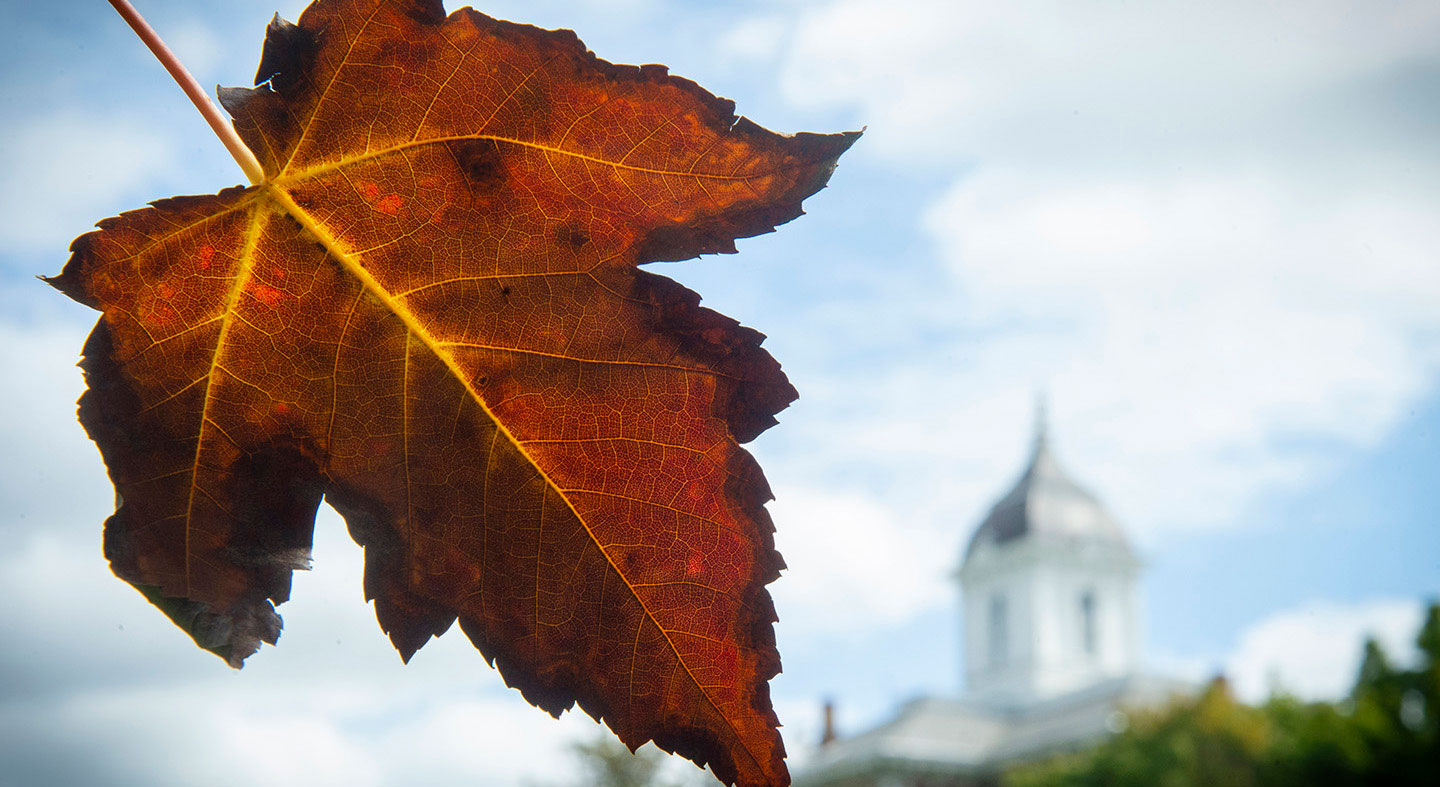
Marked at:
<point>430,315</point>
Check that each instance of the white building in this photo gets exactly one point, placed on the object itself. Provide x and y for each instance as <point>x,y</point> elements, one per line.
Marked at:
<point>1050,621</point>
<point>1047,587</point>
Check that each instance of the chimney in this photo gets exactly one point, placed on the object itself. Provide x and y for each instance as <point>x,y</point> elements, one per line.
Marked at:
<point>829,735</point>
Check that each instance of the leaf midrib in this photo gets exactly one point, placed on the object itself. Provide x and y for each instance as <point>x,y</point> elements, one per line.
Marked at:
<point>276,194</point>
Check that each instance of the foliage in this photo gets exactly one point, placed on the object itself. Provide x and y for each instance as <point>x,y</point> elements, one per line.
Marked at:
<point>1384,733</point>
<point>428,311</point>
<point>604,762</point>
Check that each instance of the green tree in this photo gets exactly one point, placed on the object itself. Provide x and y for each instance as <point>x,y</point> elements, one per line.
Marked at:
<point>1313,743</point>
<point>606,762</point>
<point>1210,740</point>
<point>1386,732</point>
<point>1427,678</point>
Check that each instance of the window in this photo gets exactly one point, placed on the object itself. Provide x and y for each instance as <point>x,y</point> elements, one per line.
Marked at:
<point>1087,622</point>
<point>999,631</point>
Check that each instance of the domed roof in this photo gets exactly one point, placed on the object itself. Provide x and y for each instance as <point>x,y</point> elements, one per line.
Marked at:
<point>1046,501</point>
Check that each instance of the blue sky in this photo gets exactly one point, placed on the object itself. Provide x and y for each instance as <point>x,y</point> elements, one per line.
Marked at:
<point>1208,231</point>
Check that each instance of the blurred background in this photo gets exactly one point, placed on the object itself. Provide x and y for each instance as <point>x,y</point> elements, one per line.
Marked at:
<point>1206,232</point>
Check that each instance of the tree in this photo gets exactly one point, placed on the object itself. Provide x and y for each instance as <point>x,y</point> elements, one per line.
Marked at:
<point>605,762</point>
<point>1211,740</point>
<point>1383,733</point>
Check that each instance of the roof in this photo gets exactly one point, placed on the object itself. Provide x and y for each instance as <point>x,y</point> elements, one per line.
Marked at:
<point>947,737</point>
<point>1046,501</point>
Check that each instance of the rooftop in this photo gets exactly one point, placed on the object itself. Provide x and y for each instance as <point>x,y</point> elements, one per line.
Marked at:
<point>1046,502</point>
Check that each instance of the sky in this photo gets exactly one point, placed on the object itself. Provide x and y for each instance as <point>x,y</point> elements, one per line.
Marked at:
<point>1208,232</point>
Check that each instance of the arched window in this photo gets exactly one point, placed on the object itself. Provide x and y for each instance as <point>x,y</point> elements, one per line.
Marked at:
<point>1087,623</point>
<point>999,631</point>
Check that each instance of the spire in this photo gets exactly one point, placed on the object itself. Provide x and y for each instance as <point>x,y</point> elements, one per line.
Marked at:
<point>1042,423</point>
<point>1045,499</point>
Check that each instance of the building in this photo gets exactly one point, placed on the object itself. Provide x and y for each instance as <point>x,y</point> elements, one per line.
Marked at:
<point>1050,621</point>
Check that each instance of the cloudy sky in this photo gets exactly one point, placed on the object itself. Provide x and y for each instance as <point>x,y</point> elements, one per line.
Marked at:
<point>1209,231</point>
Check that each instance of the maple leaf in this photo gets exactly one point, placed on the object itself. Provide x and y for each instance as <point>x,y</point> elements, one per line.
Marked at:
<point>427,311</point>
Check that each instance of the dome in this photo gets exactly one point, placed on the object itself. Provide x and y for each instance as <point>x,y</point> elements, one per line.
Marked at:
<point>1047,502</point>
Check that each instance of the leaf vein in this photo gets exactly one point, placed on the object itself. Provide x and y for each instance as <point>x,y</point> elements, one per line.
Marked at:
<point>358,270</point>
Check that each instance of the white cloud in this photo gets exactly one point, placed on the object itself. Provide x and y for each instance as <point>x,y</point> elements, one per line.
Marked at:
<point>1216,315</point>
<point>197,46</point>
<point>61,474</point>
<point>852,560</point>
<point>228,740</point>
<point>1314,651</point>
<point>65,171</point>
<point>100,669</point>
<point>233,731</point>
<point>753,38</point>
<point>965,79</point>
<point>1206,229</point>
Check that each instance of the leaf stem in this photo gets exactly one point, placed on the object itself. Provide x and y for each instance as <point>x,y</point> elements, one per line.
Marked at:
<point>218,123</point>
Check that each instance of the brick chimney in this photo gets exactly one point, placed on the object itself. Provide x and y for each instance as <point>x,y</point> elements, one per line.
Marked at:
<point>829,734</point>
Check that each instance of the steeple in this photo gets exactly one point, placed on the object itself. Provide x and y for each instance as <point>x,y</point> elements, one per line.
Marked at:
<point>1046,502</point>
<point>1048,588</point>
<point>1042,424</point>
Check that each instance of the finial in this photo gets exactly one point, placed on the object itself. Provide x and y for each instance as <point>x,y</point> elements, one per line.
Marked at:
<point>1042,420</point>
